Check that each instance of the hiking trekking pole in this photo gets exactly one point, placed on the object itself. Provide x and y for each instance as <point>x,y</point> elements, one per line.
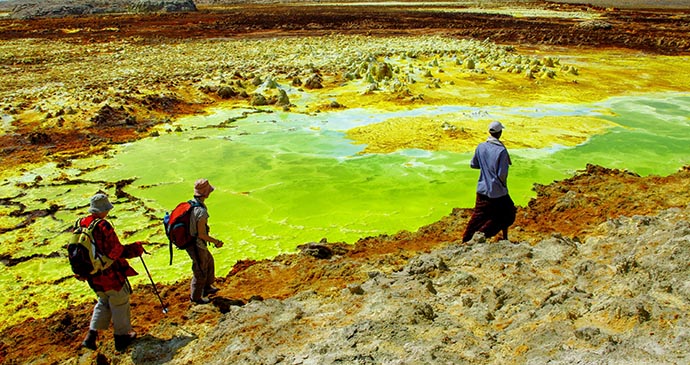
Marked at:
<point>155,290</point>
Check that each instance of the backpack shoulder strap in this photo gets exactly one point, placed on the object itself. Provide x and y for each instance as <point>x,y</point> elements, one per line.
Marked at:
<point>90,229</point>
<point>94,223</point>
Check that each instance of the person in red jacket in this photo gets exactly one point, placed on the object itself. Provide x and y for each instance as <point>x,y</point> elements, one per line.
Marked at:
<point>111,285</point>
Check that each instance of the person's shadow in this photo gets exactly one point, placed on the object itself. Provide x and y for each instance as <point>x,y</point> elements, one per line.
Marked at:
<point>153,350</point>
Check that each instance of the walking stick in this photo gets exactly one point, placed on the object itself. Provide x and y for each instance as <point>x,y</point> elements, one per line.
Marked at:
<point>155,290</point>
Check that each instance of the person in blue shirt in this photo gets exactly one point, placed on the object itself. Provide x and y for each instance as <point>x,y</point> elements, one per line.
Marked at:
<point>494,210</point>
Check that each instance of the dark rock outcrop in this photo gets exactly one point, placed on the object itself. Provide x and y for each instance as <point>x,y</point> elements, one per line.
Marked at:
<point>30,9</point>
<point>170,6</point>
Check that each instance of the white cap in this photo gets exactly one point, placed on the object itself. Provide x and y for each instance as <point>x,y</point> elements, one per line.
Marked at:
<point>100,204</point>
<point>495,127</point>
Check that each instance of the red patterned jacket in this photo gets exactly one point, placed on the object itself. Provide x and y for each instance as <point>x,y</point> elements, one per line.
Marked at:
<point>115,276</point>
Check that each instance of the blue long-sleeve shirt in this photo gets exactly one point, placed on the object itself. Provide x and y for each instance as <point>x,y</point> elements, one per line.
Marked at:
<point>492,160</point>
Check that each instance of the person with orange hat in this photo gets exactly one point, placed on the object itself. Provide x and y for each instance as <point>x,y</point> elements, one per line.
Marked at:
<point>203,264</point>
<point>494,210</point>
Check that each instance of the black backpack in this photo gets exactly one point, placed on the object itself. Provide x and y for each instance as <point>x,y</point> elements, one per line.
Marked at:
<point>84,257</point>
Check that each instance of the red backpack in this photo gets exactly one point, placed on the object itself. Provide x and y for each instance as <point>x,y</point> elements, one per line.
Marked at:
<point>177,226</point>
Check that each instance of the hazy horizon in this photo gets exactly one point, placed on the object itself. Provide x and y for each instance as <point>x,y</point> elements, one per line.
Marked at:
<point>676,4</point>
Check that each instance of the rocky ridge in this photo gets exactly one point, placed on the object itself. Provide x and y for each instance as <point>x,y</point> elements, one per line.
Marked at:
<point>28,9</point>
<point>620,296</point>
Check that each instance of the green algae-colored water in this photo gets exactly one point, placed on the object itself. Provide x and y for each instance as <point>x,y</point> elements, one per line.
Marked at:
<point>285,179</point>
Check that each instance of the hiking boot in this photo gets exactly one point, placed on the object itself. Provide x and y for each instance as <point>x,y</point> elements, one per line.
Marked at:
<point>201,300</point>
<point>123,341</point>
<point>211,290</point>
<point>90,340</point>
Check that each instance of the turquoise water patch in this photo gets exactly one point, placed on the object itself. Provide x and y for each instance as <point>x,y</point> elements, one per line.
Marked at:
<point>653,137</point>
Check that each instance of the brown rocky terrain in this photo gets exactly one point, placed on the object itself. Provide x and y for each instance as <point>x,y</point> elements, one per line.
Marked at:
<point>561,227</point>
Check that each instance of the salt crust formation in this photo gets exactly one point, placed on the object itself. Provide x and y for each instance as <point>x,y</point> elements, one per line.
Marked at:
<point>620,297</point>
